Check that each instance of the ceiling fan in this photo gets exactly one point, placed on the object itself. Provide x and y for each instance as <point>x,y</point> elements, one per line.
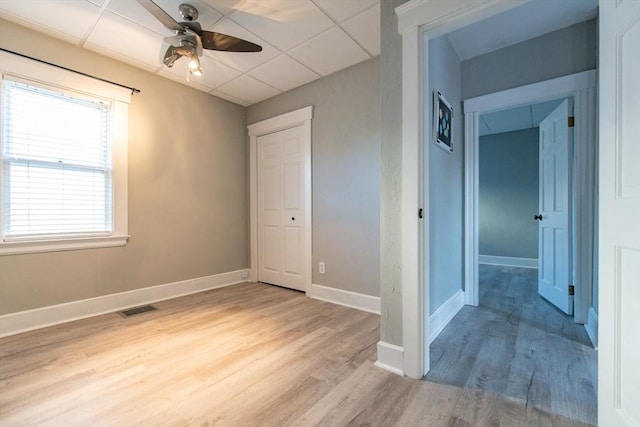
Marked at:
<point>190,38</point>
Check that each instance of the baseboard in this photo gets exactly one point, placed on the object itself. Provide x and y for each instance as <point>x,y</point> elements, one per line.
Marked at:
<point>508,261</point>
<point>23,321</point>
<point>390,358</point>
<point>347,298</point>
<point>592,327</point>
<point>443,315</point>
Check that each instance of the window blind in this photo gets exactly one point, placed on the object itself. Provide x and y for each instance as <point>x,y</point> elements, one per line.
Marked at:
<point>57,164</point>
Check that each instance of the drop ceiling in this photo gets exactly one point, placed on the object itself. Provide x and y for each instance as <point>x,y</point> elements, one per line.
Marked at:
<point>302,40</point>
<point>517,118</point>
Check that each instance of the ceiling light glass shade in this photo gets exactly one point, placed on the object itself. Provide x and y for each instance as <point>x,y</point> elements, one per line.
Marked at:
<point>194,65</point>
<point>194,62</point>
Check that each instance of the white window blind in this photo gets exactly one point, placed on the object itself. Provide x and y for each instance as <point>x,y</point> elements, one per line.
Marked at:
<point>57,177</point>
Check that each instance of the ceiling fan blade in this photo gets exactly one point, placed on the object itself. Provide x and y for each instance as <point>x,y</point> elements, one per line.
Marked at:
<point>219,41</point>
<point>162,16</point>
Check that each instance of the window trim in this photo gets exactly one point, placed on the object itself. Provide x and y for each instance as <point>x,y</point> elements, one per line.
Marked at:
<point>23,68</point>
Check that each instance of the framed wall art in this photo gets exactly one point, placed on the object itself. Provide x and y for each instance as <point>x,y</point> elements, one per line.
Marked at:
<point>442,122</point>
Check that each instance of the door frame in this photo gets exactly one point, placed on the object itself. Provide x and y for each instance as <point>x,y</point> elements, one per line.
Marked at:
<point>581,87</point>
<point>418,22</point>
<point>301,117</point>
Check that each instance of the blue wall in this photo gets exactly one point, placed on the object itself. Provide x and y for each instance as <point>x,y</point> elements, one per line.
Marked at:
<point>566,51</point>
<point>509,194</point>
<point>445,180</point>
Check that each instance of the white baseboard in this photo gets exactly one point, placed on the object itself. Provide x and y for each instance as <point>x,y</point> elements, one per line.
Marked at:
<point>592,327</point>
<point>23,321</point>
<point>390,358</point>
<point>347,298</point>
<point>508,261</point>
<point>443,315</point>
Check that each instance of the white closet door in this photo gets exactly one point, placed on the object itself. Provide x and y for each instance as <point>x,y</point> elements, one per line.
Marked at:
<point>281,208</point>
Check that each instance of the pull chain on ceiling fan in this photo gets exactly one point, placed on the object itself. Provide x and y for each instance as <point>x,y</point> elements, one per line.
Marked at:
<point>191,39</point>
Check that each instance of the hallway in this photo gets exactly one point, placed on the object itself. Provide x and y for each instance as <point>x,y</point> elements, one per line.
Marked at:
<point>517,345</point>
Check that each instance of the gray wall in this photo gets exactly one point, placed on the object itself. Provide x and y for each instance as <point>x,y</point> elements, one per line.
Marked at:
<point>509,194</point>
<point>188,203</point>
<point>345,172</point>
<point>566,51</point>
<point>445,180</point>
<point>391,174</point>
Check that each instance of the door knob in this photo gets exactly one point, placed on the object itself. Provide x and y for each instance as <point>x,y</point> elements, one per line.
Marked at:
<point>537,217</point>
<point>293,218</point>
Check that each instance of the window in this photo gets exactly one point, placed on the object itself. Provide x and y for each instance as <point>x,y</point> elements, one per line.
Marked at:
<point>62,164</point>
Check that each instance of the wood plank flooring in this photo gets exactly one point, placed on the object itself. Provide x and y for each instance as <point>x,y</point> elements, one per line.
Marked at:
<point>517,345</point>
<point>246,355</point>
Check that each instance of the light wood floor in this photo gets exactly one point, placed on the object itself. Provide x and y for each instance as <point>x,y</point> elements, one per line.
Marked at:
<point>246,355</point>
<point>519,346</point>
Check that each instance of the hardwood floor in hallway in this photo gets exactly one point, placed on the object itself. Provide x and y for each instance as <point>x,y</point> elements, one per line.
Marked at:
<point>245,355</point>
<point>517,345</point>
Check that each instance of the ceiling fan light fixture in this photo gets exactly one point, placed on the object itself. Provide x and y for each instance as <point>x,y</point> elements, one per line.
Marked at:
<point>190,39</point>
<point>171,56</point>
<point>194,62</point>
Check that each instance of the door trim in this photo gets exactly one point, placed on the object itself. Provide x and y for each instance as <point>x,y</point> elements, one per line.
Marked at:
<point>580,86</point>
<point>301,117</point>
<point>419,21</point>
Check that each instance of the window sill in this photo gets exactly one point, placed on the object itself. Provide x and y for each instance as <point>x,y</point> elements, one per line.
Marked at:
<point>37,246</point>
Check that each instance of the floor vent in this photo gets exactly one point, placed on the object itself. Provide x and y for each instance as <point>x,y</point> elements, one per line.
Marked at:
<point>136,310</point>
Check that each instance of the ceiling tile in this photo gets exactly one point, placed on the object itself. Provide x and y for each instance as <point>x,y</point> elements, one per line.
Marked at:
<point>214,73</point>
<point>248,89</point>
<point>484,129</point>
<point>329,52</point>
<point>133,11</point>
<point>283,23</point>
<point>53,16</point>
<point>226,7</point>
<point>509,120</point>
<point>344,9</point>
<point>231,98</point>
<point>133,43</point>
<point>365,28</point>
<point>541,110</point>
<point>243,61</point>
<point>284,73</point>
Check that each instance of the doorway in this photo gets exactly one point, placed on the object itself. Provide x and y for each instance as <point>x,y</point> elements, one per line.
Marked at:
<point>280,200</point>
<point>525,194</point>
<point>581,88</point>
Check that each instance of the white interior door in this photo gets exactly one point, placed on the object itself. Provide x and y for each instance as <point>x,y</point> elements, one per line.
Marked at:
<point>619,214</point>
<point>554,231</point>
<point>281,208</point>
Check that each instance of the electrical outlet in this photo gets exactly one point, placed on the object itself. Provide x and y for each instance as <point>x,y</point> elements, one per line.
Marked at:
<point>244,275</point>
<point>321,267</point>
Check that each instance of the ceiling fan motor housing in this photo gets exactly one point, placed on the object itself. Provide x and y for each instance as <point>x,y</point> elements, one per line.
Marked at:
<point>188,12</point>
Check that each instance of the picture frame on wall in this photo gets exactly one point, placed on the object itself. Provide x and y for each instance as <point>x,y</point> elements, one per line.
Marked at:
<point>442,122</point>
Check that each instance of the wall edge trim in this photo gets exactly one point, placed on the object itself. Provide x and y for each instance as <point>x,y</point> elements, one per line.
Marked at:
<point>350,299</point>
<point>592,327</point>
<point>508,261</point>
<point>28,320</point>
<point>443,315</point>
<point>390,358</point>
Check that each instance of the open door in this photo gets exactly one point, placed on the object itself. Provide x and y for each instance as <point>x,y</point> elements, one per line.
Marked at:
<point>619,215</point>
<point>554,253</point>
